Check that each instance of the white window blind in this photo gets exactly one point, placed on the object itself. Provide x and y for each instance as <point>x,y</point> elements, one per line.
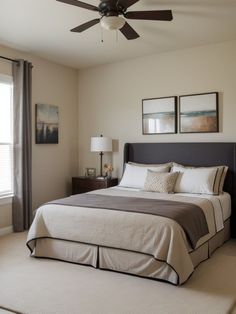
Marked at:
<point>6,136</point>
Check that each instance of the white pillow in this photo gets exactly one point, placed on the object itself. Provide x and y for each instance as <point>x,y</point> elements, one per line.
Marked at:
<point>167,164</point>
<point>220,176</point>
<point>195,180</point>
<point>135,176</point>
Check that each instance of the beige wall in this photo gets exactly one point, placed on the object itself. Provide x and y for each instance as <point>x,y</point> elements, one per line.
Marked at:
<point>53,165</point>
<point>110,96</point>
<point>5,214</point>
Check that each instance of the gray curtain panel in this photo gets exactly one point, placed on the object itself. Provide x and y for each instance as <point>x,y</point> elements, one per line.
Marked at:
<point>22,200</point>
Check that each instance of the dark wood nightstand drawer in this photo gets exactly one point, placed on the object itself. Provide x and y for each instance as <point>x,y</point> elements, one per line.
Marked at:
<point>85,184</point>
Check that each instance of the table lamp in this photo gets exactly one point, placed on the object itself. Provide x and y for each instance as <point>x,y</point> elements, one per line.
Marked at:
<point>101,144</point>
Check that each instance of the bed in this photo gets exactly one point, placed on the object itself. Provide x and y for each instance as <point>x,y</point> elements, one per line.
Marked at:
<point>132,242</point>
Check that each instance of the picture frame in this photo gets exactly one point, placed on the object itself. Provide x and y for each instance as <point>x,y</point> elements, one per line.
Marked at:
<point>46,124</point>
<point>199,113</point>
<point>159,115</point>
<point>90,172</point>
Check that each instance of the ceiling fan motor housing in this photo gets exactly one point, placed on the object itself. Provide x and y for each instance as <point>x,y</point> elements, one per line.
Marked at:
<point>111,8</point>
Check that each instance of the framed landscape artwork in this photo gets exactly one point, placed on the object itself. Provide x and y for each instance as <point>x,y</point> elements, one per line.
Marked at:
<point>199,113</point>
<point>159,115</point>
<point>47,121</point>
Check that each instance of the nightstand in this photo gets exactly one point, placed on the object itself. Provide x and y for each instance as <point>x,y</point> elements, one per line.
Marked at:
<point>86,184</point>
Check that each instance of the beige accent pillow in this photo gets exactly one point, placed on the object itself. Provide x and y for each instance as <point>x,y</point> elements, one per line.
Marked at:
<point>219,178</point>
<point>160,182</point>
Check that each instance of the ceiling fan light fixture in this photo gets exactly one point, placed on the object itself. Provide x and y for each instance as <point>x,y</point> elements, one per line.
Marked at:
<point>112,22</point>
<point>113,15</point>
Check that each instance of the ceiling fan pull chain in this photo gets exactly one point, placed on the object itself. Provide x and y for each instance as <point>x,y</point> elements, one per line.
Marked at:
<point>117,36</point>
<point>102,41</point>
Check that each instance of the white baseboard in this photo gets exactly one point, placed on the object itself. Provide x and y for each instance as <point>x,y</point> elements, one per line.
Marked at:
<point>6,230</point>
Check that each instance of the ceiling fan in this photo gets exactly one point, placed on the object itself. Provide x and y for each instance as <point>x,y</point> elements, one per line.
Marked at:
<point>110,11</point>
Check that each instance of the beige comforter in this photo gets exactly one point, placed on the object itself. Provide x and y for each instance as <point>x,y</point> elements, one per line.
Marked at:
<point>159,237</point>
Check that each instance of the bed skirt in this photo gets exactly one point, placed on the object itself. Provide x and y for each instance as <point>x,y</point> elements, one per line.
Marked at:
<point>119,260</point>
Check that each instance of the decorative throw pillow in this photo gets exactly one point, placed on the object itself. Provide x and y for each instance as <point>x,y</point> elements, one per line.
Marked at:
<point>160,182</point>
<point>134,176</point>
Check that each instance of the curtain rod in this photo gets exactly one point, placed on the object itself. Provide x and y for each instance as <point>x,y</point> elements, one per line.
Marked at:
<point>9,59</point>
<point>12,60</point>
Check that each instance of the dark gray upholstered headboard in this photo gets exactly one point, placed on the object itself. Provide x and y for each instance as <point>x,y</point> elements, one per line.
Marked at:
<point>194,154</point>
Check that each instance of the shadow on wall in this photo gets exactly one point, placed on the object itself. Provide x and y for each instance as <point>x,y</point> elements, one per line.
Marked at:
<point>115,146</point>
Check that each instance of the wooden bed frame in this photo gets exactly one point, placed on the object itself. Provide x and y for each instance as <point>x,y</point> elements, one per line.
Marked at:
<point>195,154</point>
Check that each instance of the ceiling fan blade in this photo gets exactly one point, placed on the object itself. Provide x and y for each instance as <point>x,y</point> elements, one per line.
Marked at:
<point>127,3</point>
<point>80,4</point>
<point>85,26</point>
<point>161,15</point>
<point>129,32</point>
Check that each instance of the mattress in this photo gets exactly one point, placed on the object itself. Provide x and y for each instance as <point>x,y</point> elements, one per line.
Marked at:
<point>140,244</point>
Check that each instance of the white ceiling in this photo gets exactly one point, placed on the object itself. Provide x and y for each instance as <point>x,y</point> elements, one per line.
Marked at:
<point>41,27</point>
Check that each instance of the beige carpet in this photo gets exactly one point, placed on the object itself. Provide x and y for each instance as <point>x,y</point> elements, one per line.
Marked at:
<point>35,286</point>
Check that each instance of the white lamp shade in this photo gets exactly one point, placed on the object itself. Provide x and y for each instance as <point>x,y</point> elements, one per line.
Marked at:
<point>101,144</point>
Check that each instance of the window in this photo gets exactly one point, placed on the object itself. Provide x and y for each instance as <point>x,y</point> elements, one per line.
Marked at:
<point>6,136</point>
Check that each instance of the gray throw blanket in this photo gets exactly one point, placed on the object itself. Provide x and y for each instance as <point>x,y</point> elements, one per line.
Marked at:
<point>189,216</point>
